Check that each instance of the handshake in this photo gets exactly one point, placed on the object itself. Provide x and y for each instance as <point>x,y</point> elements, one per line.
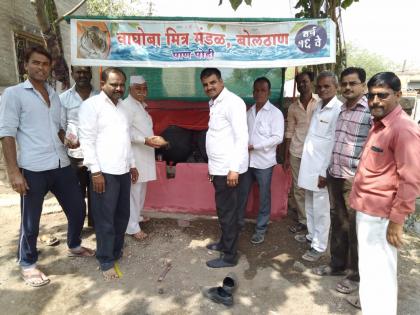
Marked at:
<point>156,142</point>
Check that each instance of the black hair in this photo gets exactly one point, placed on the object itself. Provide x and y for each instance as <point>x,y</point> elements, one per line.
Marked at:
<point>361,73</point>
<point>263,79</point>
<point>107,71</point>
<point>387,79</point>
<point>209,72</point>
<point>310,75</point>
<point>39,50</point>
<point>89,67</point>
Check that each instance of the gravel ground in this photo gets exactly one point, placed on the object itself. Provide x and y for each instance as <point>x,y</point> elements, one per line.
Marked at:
<point>273,279</point>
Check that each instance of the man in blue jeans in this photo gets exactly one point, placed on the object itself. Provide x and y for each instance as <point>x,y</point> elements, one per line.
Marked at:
<point>30,116</point>
<point>265,129</point>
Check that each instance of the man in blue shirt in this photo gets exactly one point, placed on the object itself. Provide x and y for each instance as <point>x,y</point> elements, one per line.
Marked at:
<point>30,114</point>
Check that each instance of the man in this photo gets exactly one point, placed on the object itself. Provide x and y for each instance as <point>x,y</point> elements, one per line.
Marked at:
<point>298,120</point>
<point>316,156</point>
<point>385,187</point>
<point>71,101</point>
<point>227,150</point>
<point>352,127</point>
<point>265,130</point>
<point>105,141</point>
<point>143,144</point>
<point>30,113</point>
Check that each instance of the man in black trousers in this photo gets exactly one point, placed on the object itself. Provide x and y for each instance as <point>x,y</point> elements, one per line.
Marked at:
<point>227,150</point>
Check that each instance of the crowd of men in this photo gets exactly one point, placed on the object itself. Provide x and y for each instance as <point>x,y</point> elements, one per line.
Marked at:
<point>353,166</point>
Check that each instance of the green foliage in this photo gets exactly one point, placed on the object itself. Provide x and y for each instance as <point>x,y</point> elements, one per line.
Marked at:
<point>236,3</point>
<point>371,62</point>
<point>115,7</point>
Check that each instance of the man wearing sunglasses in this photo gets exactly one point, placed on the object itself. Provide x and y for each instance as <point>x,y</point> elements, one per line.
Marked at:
<point>385,187</point>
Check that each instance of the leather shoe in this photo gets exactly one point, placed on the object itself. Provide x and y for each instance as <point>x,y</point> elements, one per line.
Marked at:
<point>230,283</point>
<point>220,263</point>
<point>214,246</point>
<point>218,295</point>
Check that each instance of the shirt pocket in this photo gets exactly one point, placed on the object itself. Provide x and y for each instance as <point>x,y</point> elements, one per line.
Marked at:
<point>263,129</point>
<point>217,122</point>
<point>323,129</point>
<point>377,160</point>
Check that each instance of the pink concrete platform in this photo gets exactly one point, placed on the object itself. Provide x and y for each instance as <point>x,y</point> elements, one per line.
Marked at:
<point>191,192</point>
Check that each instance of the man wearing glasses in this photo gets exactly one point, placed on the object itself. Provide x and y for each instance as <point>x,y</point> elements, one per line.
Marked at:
<point>385,187</point>
<point>351,131</point>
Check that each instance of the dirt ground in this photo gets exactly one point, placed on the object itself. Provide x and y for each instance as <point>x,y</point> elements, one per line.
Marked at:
<point>273,279</point>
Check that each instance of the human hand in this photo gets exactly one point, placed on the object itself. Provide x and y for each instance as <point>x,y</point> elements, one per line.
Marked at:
<point>18,182</point>
<point>134,173</point>
<point>70,144</point>
<point>155,141</point>
<point>394,234</point>
<point>232,179</point>
<point>98,182</point>
<point>250,147</point>
<point>322,182</point>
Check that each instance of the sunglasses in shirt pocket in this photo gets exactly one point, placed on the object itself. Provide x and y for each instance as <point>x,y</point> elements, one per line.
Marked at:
<point>376,159</point>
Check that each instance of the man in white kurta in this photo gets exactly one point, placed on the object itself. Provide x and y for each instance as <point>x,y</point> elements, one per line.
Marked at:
<point>316,157</point>
<point>141,133</point>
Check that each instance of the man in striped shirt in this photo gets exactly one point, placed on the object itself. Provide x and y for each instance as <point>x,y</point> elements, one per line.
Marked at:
<point>352,127</point>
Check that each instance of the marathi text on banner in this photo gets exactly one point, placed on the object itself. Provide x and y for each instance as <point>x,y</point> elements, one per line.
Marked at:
<point>160,43</point>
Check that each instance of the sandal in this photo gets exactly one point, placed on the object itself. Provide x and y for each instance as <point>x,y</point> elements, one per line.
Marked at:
<point>347,286</point>
<point>354,301</point>
<point>49,240</point>
<point>297,228</point>
<point>82,252</point>
<point>34,278</point>
<point>326,270</point>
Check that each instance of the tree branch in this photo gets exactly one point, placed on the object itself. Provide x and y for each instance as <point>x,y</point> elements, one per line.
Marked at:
<point>69,12</point>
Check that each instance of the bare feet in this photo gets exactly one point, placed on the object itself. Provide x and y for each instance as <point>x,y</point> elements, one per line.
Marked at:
<point>110,274</point>
<point>139,236</point>
<point>34,277</point>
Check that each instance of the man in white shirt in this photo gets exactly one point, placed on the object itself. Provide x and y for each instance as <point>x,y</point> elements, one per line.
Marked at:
<point>71,101</point>
<point>227,151</point>
<point>265,130</point>
<point>104,136</point>
<point>316,157</point>
<point>143,144</point>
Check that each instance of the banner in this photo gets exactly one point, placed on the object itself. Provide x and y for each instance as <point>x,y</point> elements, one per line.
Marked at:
<point>201,43</point>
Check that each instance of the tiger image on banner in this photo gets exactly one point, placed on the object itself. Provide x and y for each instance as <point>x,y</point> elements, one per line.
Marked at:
<point>93,40</point>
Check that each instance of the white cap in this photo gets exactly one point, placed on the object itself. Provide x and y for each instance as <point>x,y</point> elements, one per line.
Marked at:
<point>137,79</point>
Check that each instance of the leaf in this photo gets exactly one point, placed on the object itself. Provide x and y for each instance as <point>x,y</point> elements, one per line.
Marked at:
<point>248,2</point>
<point>346,3</point>
<point>235,4</point>
<point>220,2</point>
